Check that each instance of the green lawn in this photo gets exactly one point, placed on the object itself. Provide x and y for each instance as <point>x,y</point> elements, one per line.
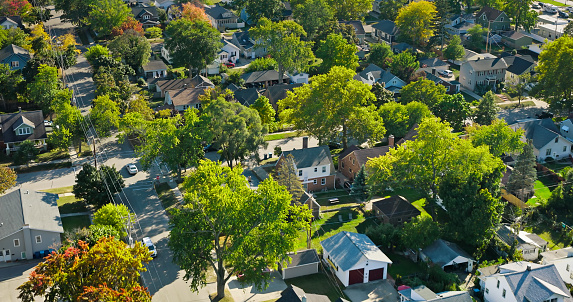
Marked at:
<point>318,284</point>
<point>541,191</point>
<point>53,155</point>
<point>557,166</point>
<point>512,106</point>
<point>43,167</point>
<point>403,266</point>
<point>553,2</point>
<point>61,190</point>
<point>419,204</point>
<point>344,200</point>
<point>86,150</point>
<point>75,222</point>
<point>70,204</point>
<point>282,135</point>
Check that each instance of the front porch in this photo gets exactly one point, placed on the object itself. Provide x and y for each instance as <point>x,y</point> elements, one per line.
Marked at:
<point>39,143</point>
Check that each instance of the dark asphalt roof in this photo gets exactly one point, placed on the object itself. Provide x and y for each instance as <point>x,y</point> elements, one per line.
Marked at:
<point>12,120</point>
<point>396,206</point>
<point>137,11</point>
<point>287,11</point>
<point>155,65</point>
<point>303,258</point>
<point>358,26</point>
<point>402,46</point>
<point>442,252</point>
<point>347,151</point>
<point>15,19</point>
<point>13,49</point>
<point>413,133</point>
<point>183,83</point>
<point>217,12</point>
<point>363,155</point>
<point>246,96</point>
<point>243,39</point>
<point>278,92</point>
<point>432,62</point>
<point>261,76</point>
<point>490,13</point>
<point>487,64</point>
<point>297,294</point>
<point>539,131</point>
<point>310,157</point>
<point>386,26</point>
<point>379,74</point>
<point>513,35</point>
<point>519,64</point>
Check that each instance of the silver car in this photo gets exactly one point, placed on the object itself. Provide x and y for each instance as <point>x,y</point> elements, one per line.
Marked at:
<point>131,169</point>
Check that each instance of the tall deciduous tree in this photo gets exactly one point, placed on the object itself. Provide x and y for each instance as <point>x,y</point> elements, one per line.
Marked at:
<point>312,15</point>
<point>486,111</point>
<point>269,9</point>
<point>454,109</point>
<point>555,83</point>
<point>226,223</point>
<point>455,49</point>
<point>283,43</point>
<point>69,126</point>
<point>104,15</point>
<point>520,13</point>
<point>336,51</point>
<point>132,47</point>
<point>335,27</point>
<point>420,232</point>
<point>95,186</point>
<point>423,91</point>
<point>105,115</point>
<point>416,21</point>
<point>331,103</point>
<point>265,109</point>
<point>192,12</point>
<point>236,129</point>
<point>389,9</point>
<point>192,44</point>
<point>74,11</point>
<point>287,176</point>
<point>45,90</point>
<point>399,119</point>
<point>404,65</point>
<point>379,54</point>
<point>116,216</point>
<point>382,94</point>
<point>476,39</point>
<point>518,86</point>
<point>350,10</point>
<point>498,136</point>
<point>129,24</point>
<point>11,82</point>
<point>69,275</point>
<point>523,177</point>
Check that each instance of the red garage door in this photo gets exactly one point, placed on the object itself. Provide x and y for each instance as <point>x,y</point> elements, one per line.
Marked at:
<point>376,274</point>
<point>356,276</point>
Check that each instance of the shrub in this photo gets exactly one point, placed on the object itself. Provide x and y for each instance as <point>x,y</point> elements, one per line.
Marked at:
<point>141,82</point>
<point>262,64</point>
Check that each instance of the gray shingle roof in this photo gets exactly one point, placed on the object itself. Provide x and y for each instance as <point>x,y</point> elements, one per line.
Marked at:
<point>303,258</point>
<point>442,252</point>
<point>217,12</point>
<point>490,13</point>
<point>246,96</point>
<point>37,209</point>
<point>386,26</point>
<point>310,157</point>
<point>519,64</point>
<point>539,131</point>
<point>297,294</point>
<point>537,284</point>
<point>348,249</point>
<point>243,39</point>
<point>432,62</point>
<point>557,254</point>
<point>358,26</point>
<point>487,64</point>
<point>13,49</point>
<point>278,92</point>
<point>197,80</point>
<point>261,76</point>
<point>15,19</point>
<point>379,74</point>
<point>155,65</point>
<point>10,121</point>
<point>138,11</point>
<point>396,206</point>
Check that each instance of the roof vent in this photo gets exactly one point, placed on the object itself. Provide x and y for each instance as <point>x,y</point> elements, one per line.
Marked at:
<point>529,267</point>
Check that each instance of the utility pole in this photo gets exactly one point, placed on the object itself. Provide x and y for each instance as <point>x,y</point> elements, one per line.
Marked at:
<point>487,38</point>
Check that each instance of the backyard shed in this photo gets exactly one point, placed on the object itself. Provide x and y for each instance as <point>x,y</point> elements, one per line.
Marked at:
<point>447,255</point>
<point>303,263</point>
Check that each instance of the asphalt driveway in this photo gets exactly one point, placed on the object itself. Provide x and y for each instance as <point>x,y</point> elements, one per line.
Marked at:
<point>374,291</point>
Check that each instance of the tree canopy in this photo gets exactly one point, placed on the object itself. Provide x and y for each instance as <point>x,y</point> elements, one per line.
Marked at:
<point>455,50</point>
<point>522,179</point>
<point>379,54</point>
<point>116,216</point>
<point>268,9</point>
<point>336,51</point>
<point>399,119</point>
<point>96,187</point>
<point>132,47</point>
<point>311,15</point>
<point>486,111</point>
<point>7,179</point>
<point>424,91</point>
<point>350,10</point>
<point>416,21</point>
<point>105,115</point>
<point>454,109</point>
<point>105,15</point>
<point>555,84</point>
<point>404,65</point>
<point>498,136</point>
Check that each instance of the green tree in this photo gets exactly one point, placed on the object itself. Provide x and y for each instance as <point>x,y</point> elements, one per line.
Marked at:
<point>568,30</point>
<point>14,36</point>
<point>520,14</point>
<point>212,231</point>
<point>7,179</point>
<point>454,109</point>
<point>44,91</point>
<point>262,64</point>
<point>455,50</point>
<point>379,54</point>
<point>192,44</point>
<point>486,111</point>
<point>119,217</point>
<point>399,119</point>
<point>423,91</point>
<point>518,86</point>
<point>74,11</point>
<point>140,105</point>
<point>287,176</point>
<point>283,43</point>
<point>11,82</point>
<point>554,85</point>
<point>416,21</point>
<point>382,94</point>
<point>350,10</point>
<point>331,103</point>
<point>389,9</point>
<point>384,234</point>
<point>561,198</point>
<point>105,115</point>
<point>420,232</point>
<point>95,186</point>
<point>335,27</point>
<point>269,9</point>
<point>132,48</point>
<point>69,122</point>
<point>523,177</point>
<point>27,151</point>
<point>68,274</point>
<point>95,54</point>
<point>153,32</point>
<point>476,34</point>
<point>104,15</point>
<point>236,129</point>
<point>404,65</point>
<point>265,110</point>
<point>336,51</point>
<point>359,184</point>
<point>498,136</point>
<point>311,15</point>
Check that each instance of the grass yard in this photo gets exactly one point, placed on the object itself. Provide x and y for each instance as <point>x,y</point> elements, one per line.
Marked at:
<point>330,224</point>
<point>555,239</point>
<point>53,155</point>
<point>318,284</point>
<point>553,2</point>
<point>43,167</point>
<point>70,204</point>
<point>61,190</point>
<point>468,97</point>
<point>541,192</point>
<point>403,266</point>
<point>272,160</point>
<point>86,150</point>
<point>75,222</point>
<point>420,204</point>
<point>557,166</point>
<point>167,197</point>
<point>282,135</point>
<point>513,106</point>
<point>344,200</point>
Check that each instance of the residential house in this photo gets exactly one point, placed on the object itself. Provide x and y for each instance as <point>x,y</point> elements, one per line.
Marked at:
<point>423,294</point>
<point>196,81</point>
<point>166,55</point>
<point>155,69</point>
<point>551,256</point>
<point>246,96</point>
<point>470,55</point>
<point>515,39</point>
<point>30,225</point>
<point>410,136</point>
<point>279,92</point>
<point>529,244</point>
<point>386,31</point>
<point>545,138</point>
<point>229,52</point>
<point>452,87</point>
<point>296,294</point>
<point>221,18</point>
<point>495,20</point>
<point>358,29</point>
<point>164,4</point>
<point>459,24</point>
<point>532,284</point>
<point>146,15</point>
<point>174,11</point>
<point>482,72</point>
<point>22,126</point>
<point>401,47</point>
<point>308,200</point>
<point>299,77</point>
<point>184,98</point>
<point>374,74</point>
<point>518,65</point>
<point>564,265</point>
<point>14,56</point>
<point>302,263</point>
<point>350,164</point>
<point>566,129</point>
<point>287,11</point>
<point>394,210</point>
<point>8,22</point>
<point>354,258</point>
<point>551,32</point>
<point>432,64</point>
<point>263,79</point>
<point>448,256</point>
<point>246,44</point>
<point>512,267</point>
<point>314,165</point>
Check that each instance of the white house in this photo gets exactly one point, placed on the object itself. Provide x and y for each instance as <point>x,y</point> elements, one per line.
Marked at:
<point>563,261</point>
<point>545,137</point>
<point>229,52</point>
<point>566,129</point>
<point>354,258</point>
<point>165,54</point>
<point>299,77</point>
<point>10,22</point>
<point>314,166</point>
<point>529,244</point>
<point>374,74</point>
<point>532,284</point>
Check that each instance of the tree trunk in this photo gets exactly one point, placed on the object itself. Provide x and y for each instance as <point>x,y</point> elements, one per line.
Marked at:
<point>179,172</point>
<point>280,74</point>
<point>80,143</point>
<point>220,281</point>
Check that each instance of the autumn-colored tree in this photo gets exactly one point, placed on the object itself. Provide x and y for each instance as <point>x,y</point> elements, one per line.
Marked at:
<point>193,12</point>
<point>7,179</point>
<point>129,23</point>
<point>108,271</point>
<point>15,7</point>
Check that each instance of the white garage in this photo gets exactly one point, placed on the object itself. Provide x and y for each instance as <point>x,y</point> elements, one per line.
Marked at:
<point>355,258</point>
<point>303,263</point>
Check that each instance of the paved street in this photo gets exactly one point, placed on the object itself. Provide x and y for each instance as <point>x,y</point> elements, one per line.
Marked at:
<point>512,115</point>
<point>13,276</point>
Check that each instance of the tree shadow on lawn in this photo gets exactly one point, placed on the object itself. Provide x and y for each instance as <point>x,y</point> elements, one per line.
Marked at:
<point>557,236</point>
<point>333,223</point>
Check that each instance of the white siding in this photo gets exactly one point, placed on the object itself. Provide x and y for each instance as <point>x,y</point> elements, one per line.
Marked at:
<point>555,149</point>
<point>308,173</point>
<point>494,294</point>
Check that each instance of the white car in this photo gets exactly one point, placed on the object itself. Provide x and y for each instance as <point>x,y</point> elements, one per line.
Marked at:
<point>149,244</point>
<point>131,169</point>
<point>446,73</point>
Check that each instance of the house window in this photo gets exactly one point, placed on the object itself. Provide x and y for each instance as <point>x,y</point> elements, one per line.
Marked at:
<point>350,170</point>
<point>323,181</point>
<point>497,283</point>
<point>315,169</point>
<point>39,239</point>
<point>146,17</point>
<point>556,139</point>
<point>564,148</point>
<point>324,169</point>
<point>25,130</point>
<point>342,163</point>
<point>487,290</point>
<point>314,181</point>
<point>15,64</point>
<point>501,19</point>
<point>548,152</point>
<point>17,243</point>
<point>503,293</point>
<point>299,172</point>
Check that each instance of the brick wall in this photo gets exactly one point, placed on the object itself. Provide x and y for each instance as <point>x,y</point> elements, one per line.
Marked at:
<point>311,187</point>
<point>349,166</point>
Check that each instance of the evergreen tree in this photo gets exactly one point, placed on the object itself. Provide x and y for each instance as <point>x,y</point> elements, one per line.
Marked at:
<point>524,174</point>
<point>486,111</point>
<point>287,176</point>
<point>359,184</point>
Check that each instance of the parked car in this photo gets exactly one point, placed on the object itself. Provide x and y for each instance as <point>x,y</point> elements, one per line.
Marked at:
<point>446,73</point>
<point>230,64</point>
<point>563,14</point>
<point>536,6</point>
<point>550,8</point>
<point>131,169</point>
<point>149,244</point>
<point>569,9</point>
<point>48,123</point>
<point>541,4</point>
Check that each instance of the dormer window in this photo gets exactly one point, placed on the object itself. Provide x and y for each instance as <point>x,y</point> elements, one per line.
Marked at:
<point>24,131</point>
<point>146,17</point>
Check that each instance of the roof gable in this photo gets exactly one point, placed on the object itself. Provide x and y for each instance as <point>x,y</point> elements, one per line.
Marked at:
<point>14,50</point>
<point>9,122</point>
<point>396,206</point>
<point>310,157</point>
<point>442,252</point>
<point>536,284</point>
<point>491,14</point>
<point>487,64</point>
<point>349,249</point>
<point>386,26</point>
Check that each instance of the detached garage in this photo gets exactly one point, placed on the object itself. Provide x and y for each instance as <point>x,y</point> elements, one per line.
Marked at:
<point>303,263</point>
<point>355,258</point>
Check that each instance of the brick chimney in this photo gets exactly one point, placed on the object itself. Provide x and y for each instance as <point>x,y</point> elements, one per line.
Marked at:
<point>391,140</point>
<point>305,142</point>
<point>20,109</point>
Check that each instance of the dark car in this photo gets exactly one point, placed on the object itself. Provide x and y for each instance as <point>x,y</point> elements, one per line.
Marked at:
<point>544,114</point>
<point>563,14</point>
<point>334,145</point>
<point>535,6</point>
<point>541,4</point>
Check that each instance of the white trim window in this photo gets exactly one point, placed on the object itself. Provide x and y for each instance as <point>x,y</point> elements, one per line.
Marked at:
<point>15,64</point>
<point>323,181</point>
<point>24,131</point>
<point>16,242</point>
<point>39,239</point>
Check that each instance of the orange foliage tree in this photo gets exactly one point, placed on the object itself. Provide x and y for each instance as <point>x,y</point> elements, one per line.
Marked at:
<point>193,12</point>
<point>129,23</point>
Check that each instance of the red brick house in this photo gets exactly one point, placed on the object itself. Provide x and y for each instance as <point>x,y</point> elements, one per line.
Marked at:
<point>394,210</point>
<point>350,163</point>
<point>314,165</point>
